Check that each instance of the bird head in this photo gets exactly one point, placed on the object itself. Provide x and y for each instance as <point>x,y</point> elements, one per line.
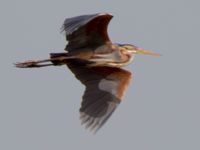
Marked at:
<point>131,49</point>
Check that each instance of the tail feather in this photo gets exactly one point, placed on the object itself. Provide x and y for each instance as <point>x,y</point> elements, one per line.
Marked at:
<point>53,55</point>
<point>58,58</point>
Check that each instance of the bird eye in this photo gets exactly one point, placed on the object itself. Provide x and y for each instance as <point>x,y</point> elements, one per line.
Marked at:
<point>127,47</point>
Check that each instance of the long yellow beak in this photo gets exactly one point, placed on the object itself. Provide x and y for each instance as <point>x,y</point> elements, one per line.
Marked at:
<point>147,52</point>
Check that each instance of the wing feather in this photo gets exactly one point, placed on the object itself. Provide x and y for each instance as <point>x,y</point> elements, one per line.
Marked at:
<point>86,31</point>
<point>99,102</point>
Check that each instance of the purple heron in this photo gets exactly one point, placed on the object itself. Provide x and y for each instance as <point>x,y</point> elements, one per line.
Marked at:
<point>96,62</point>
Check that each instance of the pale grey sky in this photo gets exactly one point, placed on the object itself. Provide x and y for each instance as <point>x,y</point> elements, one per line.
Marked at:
<point>160,111</point>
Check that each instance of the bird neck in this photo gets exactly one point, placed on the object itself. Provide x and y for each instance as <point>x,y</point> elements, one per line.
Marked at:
<point>127,57</point>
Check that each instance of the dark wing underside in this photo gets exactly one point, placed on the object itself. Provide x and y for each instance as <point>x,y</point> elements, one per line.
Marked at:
<point>86,31</point>
<point>105,87</point>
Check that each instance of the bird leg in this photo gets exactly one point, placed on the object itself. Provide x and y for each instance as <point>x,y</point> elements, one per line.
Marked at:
<point>34,64</point>
<point>55,60</point>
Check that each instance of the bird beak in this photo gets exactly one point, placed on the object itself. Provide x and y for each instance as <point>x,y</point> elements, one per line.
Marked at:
<point>146,52</point>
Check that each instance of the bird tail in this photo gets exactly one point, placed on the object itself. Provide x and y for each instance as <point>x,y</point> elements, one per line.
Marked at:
<point>56,59</point>
<point>59,58</point>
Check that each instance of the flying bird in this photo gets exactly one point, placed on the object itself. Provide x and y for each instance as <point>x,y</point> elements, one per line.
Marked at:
<point>97,63</point>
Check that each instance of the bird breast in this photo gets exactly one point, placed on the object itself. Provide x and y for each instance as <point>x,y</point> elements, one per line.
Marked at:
<point>110,55</point>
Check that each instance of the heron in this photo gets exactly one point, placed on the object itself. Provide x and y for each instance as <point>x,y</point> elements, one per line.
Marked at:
<point>97,63</point>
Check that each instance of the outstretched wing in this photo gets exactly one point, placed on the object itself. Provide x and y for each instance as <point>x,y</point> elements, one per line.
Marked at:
<point>105,87</point>
<point>86,31</point>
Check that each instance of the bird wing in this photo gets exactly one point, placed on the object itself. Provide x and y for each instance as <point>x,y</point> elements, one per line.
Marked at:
<point>105,87</point>
<point>86,31</point>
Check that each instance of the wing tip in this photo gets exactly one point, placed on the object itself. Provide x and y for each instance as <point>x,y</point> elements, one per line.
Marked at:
<point>66,21</point>
<point>92,123</point>
<point>105,14</point>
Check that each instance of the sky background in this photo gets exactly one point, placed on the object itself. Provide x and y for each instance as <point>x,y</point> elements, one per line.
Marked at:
<point>161,108</point>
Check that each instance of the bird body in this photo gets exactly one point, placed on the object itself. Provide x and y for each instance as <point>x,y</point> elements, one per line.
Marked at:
<point>96,62</point>
<point>111,55</point>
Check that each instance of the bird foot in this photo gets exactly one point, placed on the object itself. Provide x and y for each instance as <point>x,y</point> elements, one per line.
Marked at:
<point>27,64</point>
